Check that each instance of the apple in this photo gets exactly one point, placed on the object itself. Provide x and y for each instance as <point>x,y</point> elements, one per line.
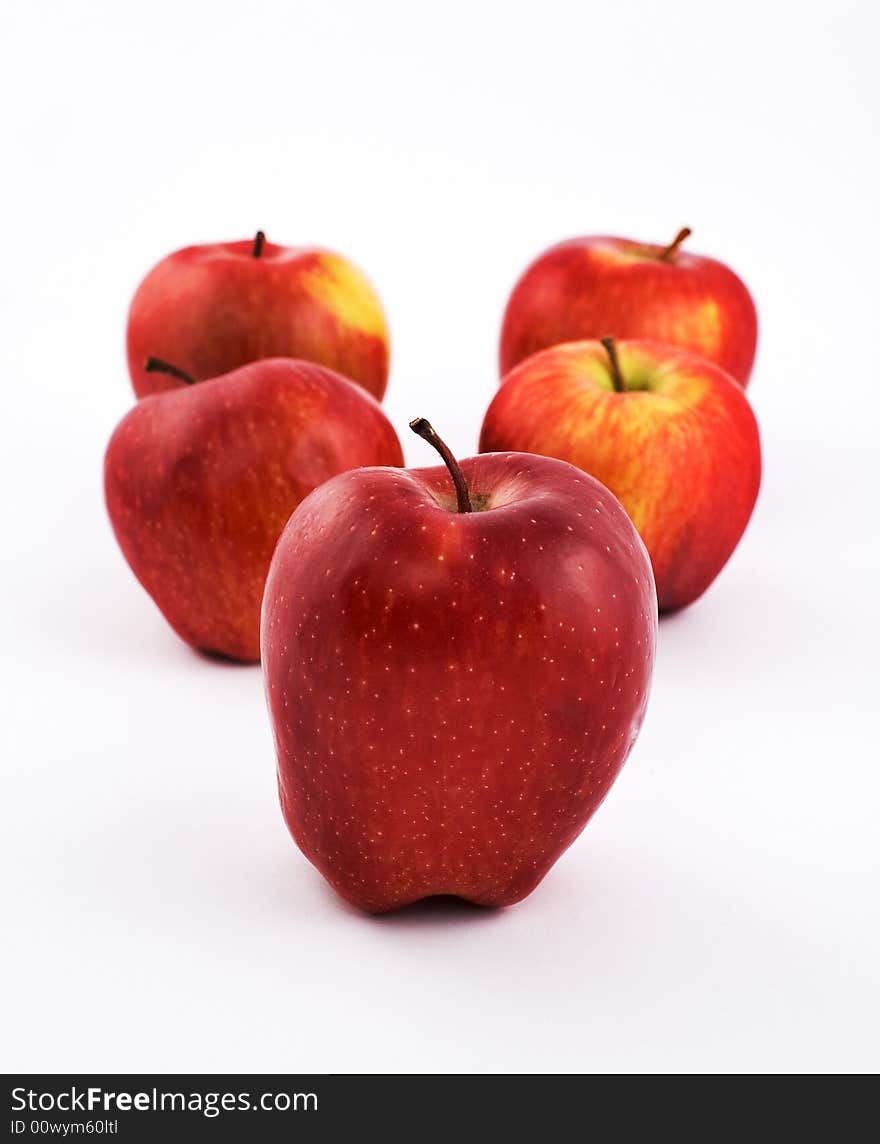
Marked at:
<point>200,481</point>
<point>210,309</point>
<point>592,287</point>
<point>669,433</point>
<point>456,670</point>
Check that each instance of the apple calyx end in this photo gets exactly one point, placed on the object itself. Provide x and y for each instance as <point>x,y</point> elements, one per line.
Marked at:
<point>423,428</point>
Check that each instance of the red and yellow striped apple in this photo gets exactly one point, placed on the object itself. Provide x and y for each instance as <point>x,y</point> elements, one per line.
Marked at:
<point>200,481</point>
<point>596,286</point>
<point>210,309</point>
<point>671,435</point>
<point>456,671</point>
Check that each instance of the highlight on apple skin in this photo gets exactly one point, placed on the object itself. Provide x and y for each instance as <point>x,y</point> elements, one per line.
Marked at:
<point>590,287</point>
<point>200,481</point>
<point>213,308</point>
<point>669,433</point>
<point>453,693</point>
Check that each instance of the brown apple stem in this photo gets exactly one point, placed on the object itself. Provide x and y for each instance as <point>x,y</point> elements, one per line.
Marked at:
<point>668,251</point>
<point>426,431</point>
<point>259,239</point>
<point>616,372</point>
<point>157,365</point>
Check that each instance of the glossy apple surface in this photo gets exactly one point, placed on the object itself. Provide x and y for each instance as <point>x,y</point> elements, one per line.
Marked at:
<point>598,286</point>
<point>211,309</point>
<point>453,693</point>
<point>679,448</point>
<point>199,483</point>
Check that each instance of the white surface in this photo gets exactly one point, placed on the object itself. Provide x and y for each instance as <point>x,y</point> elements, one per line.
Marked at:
<point>721,911</point>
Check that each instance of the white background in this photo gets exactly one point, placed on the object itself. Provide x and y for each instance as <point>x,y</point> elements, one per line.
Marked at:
<point>721,911</point>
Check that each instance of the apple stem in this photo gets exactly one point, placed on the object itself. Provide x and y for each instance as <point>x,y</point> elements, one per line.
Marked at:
<point>259,239</point>
<point>157,365</point>
<point>667,253</point>
<point>616,372</point>
<point>426,431</point>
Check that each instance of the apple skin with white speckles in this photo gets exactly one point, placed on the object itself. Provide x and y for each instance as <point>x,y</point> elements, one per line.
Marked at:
<point>200,481</point>
<point>598,286</point>
<point>452,694</point>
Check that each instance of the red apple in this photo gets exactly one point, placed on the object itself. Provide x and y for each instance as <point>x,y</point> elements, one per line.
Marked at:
<point>592,287</point>
<point>670,434</point>
<point>210,309</point>
<point>200,481</point>
<point>455,674</point>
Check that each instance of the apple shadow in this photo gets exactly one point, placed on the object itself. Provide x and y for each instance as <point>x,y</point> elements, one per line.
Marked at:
<point>218,659</point>
<point>439,910</point>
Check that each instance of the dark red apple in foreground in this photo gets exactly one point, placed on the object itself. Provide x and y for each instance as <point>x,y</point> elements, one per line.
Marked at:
<point>671,435</point>
<point>592,287</point>
<point>210,309</point>
<point>200,482</point>
<point>455,675</point>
